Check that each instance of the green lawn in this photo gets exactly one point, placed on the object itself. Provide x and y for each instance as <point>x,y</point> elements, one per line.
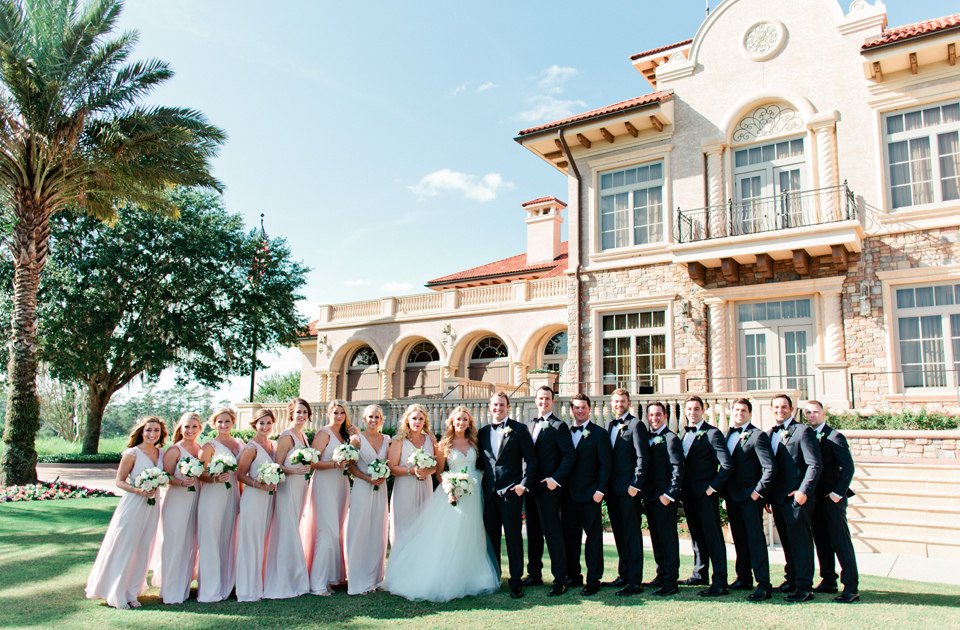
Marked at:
<point>47,549</point>
<point>59,446</point>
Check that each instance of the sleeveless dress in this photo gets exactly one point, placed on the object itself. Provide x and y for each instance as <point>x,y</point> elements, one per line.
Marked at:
<point>217,534</point>
<point>119,573</point>
<point>446,554</point>
<point>178,550</point>
<point>367,529</point>
<point>286,566</point>
<point>256,511</point>
<point>324,526</point>
<point>410,495</point>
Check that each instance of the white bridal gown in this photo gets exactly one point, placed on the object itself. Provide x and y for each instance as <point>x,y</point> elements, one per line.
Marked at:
<point>445,554</point>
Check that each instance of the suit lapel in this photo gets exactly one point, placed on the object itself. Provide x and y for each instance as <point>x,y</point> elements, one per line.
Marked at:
<point>505,434</point>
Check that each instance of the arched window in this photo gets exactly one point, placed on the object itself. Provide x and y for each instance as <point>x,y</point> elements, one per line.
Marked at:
<point>555,353</point>
<point>489,361</point>
<point>363,375</point>
<point>421,373</point>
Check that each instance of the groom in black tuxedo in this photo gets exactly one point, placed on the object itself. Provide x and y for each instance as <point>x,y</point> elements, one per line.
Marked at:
<point>509,467</point>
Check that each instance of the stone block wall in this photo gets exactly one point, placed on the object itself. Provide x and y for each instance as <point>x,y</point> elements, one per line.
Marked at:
<point>942,445</point>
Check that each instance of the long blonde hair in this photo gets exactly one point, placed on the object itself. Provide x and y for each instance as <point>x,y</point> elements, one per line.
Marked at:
<point>446,442</point>
<point>345,427</point>
<point>403,431</point>
<point>178,430</point>
<point>371,408</point>
<point>136,434</point>
<point>211,422</point>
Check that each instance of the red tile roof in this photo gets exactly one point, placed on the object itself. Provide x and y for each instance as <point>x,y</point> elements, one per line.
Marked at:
<point>646,99</point>
<point>539,200</point>
<point>311,330</point>
<point>901,33</point>
<point>507,267</point>
<point>661,49</point>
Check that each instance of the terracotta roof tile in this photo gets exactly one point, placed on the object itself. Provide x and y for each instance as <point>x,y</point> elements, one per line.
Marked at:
<point>909,31</point>
<point>508,266</point>
<point>646,99</point>
<point>661,49</point>
<point>539,200</point>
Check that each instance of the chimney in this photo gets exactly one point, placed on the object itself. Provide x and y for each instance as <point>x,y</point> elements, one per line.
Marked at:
<point>543,229</point>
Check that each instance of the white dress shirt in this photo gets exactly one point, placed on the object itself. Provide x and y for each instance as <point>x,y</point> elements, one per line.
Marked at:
<point>688,438</point>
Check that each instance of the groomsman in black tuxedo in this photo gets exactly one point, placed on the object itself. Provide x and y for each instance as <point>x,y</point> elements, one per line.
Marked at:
<point>754,468</point>
<point>793,497</point>
<point>628,439</point>
<point>707,467</point>
<point>555,454</point>
<point>509,467</point>
<point>581,502</point>
<point>661,490</point>
<point>831,534</point>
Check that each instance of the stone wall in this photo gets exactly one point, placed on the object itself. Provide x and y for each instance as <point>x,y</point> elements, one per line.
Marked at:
<point>943,445</point>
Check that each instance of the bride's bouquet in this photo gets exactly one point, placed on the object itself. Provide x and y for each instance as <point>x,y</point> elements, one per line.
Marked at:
<point>346,453</point>
<point>457,485</point>
<point>378,469</point>
<point>421,459</point>
<point>151,479</point>
<point>271,474</point>
<point>305,455</point>
<point>221,464</point>
<point>190,467</point>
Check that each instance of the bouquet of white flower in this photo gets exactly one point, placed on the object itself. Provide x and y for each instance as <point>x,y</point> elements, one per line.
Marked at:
<point>220,464</point>
<point>151,479</point>
<point>190,467</point>
<point>378,469</point>
<point>457,485</point>
<point>421,459</point>
<point>270,474</point>
<point>305,455</point>
<point>346,453</point>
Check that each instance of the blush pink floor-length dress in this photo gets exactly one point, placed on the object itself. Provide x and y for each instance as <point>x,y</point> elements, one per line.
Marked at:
<point>367,529</point>
<point>178,550</point>
<point>324,525</point>
<point>256,512</point>
<point>217,534</point>
<point>410,495</point>
<point>286,572</point>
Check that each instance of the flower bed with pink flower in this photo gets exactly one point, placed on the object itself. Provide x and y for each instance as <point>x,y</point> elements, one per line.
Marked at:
<point>49,490</point>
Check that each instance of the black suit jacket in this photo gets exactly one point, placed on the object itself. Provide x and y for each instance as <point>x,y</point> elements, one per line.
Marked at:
<point>837,471</point>
<point>798,462</point>
<point>591,465</point>
<point>754,466</point>
<point>630,454</point>
<point>708,463</point>
<point>555,452</point>
<point>665,467</point>
<point>516,464</point>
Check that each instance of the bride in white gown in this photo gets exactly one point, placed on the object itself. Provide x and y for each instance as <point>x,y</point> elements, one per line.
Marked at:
<point>452,534</point>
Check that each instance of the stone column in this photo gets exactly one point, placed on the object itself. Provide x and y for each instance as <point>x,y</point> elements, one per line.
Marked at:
<point>328,386</point>
<point>833,378</point>
<point>386,384</point>
<point>520,372</point>
<point>717,215</point>
<point>719,351</point>
<point>824,125</point>
<point>834,350</point>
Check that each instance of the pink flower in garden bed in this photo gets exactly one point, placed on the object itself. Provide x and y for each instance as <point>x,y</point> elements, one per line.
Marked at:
<point>49,490</point>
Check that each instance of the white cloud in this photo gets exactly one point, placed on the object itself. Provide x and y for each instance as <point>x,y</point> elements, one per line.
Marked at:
<point>486,86</point>
<point>359,282</point>
<point>547,108</point>
<point>396,287</point>
<point>458,89</point>
<point>480,189</point>
<point>554,77</point>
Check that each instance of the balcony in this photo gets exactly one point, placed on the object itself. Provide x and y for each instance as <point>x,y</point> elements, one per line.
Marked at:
<point>789,226</point>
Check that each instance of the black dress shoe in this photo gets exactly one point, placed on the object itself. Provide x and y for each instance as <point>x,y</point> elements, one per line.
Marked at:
<point>630,589</point>
<point>532,581</point>
<point>825,587</point>
<point>590,589</point>
<point>759,595</point>
<point>664,591</point>
<point>714,591</point>
<point>516,592</point>
<point>800,595</point>
<point>847,597</point>
<point>575,581</point>
<point>785,587</point>
<point>557,589</point>
<point>617,583</point>
<point>654,583</point>
<point>692,581</point>
<point>741,585</point>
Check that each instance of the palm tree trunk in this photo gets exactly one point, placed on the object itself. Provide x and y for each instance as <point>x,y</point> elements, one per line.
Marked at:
<point>97,401</point>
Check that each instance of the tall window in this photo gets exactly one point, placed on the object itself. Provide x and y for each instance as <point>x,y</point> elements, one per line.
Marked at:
<point>634,348</point>
<point>923,155</point>
<point>631,206</point>
<point>421,374</point>
<point>363,375</point>
<point>769,178</point>
<point>928,327</point>
<point>555,352</point>
<point>776,341</point>
<point>488,361</point>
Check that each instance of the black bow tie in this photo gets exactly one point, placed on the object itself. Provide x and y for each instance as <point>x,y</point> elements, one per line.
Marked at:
<point>576,428</point>
<point>690,429</point>
<point>499,425</point>
<point>779,427</point>
<point>737,430</point>
<point>541,419</point>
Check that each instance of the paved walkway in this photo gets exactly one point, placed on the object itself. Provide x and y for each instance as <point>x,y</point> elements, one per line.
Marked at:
<point>103,476</point>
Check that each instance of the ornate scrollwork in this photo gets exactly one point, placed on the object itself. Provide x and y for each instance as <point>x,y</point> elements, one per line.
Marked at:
<point>767,120</point>
<point>762,38</point>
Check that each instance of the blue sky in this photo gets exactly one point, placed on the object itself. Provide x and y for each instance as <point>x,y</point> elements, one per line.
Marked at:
<point>377,137</point>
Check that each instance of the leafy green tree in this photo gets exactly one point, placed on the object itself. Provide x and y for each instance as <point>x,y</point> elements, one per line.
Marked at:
<point>73,134</point>
<point>278,387</point>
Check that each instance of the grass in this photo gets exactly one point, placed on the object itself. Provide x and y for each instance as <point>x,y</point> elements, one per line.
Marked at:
<point>47,550</point>
<point>59,446</point>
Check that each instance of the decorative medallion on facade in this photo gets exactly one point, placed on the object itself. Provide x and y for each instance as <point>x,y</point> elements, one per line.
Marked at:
<point>767,121</point>
<point>763,40</point>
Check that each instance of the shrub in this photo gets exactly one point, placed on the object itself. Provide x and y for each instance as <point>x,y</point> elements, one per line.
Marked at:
<point>920,420</point>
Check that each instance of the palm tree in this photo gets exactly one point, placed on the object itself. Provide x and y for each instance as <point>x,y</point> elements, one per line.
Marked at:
<point>74,135</point>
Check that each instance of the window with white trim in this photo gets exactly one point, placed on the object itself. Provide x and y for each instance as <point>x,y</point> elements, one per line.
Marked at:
<point>768,180</point>
<point>631,206</point>
<point>928,334</point>
<point>634,348</point>
<point>776,345</point>
<point>923,155</point>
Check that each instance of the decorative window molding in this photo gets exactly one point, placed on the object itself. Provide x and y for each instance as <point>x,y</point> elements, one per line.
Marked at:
<point>763,39</point>
<point>767,121</point>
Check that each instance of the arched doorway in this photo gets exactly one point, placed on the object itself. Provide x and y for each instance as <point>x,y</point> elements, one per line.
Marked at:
<point>363,375</point>
<point>421,370</point>
<point>489,361</point>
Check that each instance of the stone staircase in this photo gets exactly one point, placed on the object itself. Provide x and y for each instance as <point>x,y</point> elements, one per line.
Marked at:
<point>906,508</point>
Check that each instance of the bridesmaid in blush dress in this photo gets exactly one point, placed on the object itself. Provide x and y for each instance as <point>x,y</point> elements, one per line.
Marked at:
<point>119,573</point>
<point>367,529</point>
<point>286,571</point>
<point>412,487</point>
<point>256,509</point>
<point>178,516</point>
<point>323,527</point>
<point>217,514</point>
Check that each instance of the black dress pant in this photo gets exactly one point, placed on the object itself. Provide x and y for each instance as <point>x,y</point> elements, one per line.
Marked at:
<point>746,525</point>
<point>794,526</point>
<point>579,517</point>
<point>703,518</point>
<point>543,523</point>
<point>625,517</point>
<point>506,514</point>
<point>831,534</point>
<point>662,521</point>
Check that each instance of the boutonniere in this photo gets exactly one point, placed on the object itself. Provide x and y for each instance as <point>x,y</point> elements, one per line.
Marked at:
<point>658,439</point>
<point>544,425</point>
<point>586,433</point>
<point>699,434</point>
<point>744,436</point>
<point>819,436</point>
<point>507,431</point>
<point>786,436</point>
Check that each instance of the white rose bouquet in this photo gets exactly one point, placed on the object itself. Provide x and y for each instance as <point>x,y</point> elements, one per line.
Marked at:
<point>421,459</point>
<point>305,456</point>
<point>151,479</point>
<point>220,464</point>
<point>346,453</point>
<point>270,474</point>
<point>190,467</point>
<point>457,485</point>
<point>378,469</point>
